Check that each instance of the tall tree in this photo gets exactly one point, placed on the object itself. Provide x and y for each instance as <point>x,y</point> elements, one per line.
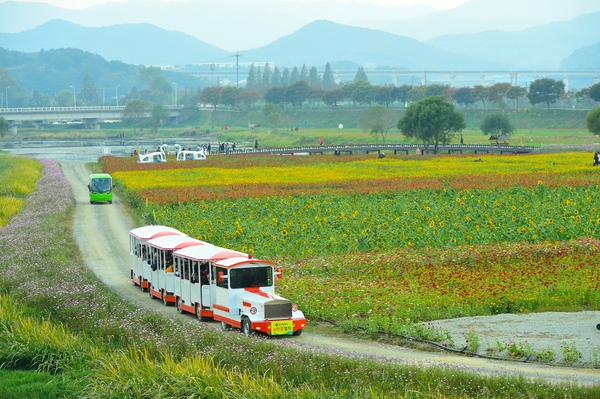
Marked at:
<point>229,95</point>
<point>384,95</point>
<point>64,98</point>
<point>378,121</point>
<point>276,95</point>
<point>417,93</point>
<point>276,80</point>
<point>594,92</point>
<point>480,93</point>
<point>314,78</point>
<point>89,91</point>
<point>248,97</point>
<point>433,121</point>
<point>361,75</point>
<point>401,93</point>
<point>436,89</point>
<point>304,73</point>
<point>286,78</point>
<point>516,92</point>
<point>297,93</point>
<point>267,77</point>
<point>463,96</point>
<point>498,92</point>
<point>211,96</point>
<point>497,124</point>
<point>251,79</point>
<point>295,76</point>
<point>135,112</point>
<point>545,90</point>
<point>147,74</point>
<point>159,116</point>
<point>273,113</point>
<point>333,97</point>
<point>39,99</point>
<point>4,126</point>
<point>592,121</point>
<point>328,78</point>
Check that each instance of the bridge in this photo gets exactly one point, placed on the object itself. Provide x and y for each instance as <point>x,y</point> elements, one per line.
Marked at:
<point>391,148</point>
<point>89,116</point>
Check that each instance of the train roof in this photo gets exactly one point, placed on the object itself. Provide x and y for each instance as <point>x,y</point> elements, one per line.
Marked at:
<point>231,263</point>
<point>148,232</point>
<point>209,252</point>
<point>174,242</point>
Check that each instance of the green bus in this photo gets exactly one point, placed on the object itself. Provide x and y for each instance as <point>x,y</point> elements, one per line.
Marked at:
<point>100,186</point>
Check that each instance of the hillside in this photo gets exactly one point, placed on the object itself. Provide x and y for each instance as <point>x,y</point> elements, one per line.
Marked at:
<point>586,58</point>
<point>130,43</point>
<point>541,47</point>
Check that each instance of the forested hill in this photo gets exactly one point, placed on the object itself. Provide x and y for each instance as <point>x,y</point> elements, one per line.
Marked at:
<point>50,71</point>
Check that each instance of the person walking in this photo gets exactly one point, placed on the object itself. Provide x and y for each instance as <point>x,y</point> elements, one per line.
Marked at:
<point>255,145</point>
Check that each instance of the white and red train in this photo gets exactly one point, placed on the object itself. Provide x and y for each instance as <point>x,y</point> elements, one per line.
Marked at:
<point>211,282</point>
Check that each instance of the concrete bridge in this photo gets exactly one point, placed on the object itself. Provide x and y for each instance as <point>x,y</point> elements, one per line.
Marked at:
<point>392,149</point>
<point>89,116</point>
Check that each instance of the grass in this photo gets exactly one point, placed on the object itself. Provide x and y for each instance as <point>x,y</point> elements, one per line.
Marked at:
<point>19,384</point>
<point>128,352</point>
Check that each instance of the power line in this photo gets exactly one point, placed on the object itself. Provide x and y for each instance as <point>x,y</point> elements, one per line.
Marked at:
<point>237,68</point>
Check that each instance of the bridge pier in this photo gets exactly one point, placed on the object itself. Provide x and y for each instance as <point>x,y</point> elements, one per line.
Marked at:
<point>39,125</point>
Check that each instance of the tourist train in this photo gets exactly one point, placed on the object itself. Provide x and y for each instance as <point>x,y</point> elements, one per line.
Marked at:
<point>211,282</point>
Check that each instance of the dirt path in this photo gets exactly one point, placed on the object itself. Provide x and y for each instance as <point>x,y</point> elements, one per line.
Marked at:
<point>101,231</point>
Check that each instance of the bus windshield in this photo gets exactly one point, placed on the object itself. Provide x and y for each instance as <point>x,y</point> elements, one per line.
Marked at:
<point>251,277</point>
<point>101,185</point>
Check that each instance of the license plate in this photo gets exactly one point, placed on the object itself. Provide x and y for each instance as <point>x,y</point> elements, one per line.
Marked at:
<point>282,327</point>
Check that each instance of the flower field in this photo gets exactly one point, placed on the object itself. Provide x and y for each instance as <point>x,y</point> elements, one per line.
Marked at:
<point>385,243</point>
<point>19,177</point>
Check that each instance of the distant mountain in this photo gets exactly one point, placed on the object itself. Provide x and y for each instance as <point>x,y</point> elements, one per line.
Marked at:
<point>323,41</point>
<point>133,43</point>
<point>541,47</point>
<point>586,58</point>
<point>228,24</point>
<point>482,15</point>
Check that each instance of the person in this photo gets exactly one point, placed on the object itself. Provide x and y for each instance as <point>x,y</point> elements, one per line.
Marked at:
<point>381,155</point>
<point>194,278</point>
<point>596,158</point>
<point>255,145</point>
<point>176,271</point>
<point>320,140</point>
<point>169,269</point>
<point>233,147</point>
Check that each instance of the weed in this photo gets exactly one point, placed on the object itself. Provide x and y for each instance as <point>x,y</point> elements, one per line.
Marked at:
<point>570,352</point>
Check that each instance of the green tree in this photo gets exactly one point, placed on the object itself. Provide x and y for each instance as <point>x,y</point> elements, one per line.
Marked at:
<point>89,91</point>
<point>378,121</point>
<point>401,94</point>
<point>480,93</point>
<point>276,81</point>
<point>516,92</point>
<point>361,92</point>
<point>276,95</point>
<point>285,77</point>
<point>267,76</point>
<point>295,76</point>
<point>147,74</point>
<point>595,92</point>
<point>135,112</point>
<point>158,116</point>
<point>251,79</point>
<point>361,76</point>
<point>297,93</point>
<point>273,113</point>
<point>463,96</point>
<point>592,121</point>
<point>436,89</point>
<point>432,120</point>
<point>333,97</point>
<point>4,126</point>
<point>314,78</point>
<point>417,93</point>
<point>328,78</point>
<point>229,95</point>
<point>497,124</point>
<point>545,91</point>
<point>39,99</point>
<point>304,73</point>
<point>211,95</point>
<point>384,95</point>
<point>64,98</point>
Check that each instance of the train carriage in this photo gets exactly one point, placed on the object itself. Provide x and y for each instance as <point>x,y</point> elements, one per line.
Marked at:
<point>139,254</point>
<point>162,270</point>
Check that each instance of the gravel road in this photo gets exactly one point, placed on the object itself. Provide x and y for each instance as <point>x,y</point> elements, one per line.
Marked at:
<point>101,231</point>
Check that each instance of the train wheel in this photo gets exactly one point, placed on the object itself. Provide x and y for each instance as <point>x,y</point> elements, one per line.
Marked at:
<point>150,292</point>
<point>598,326</point>
<point>198,312</point>
<point>164,298</point>
<point>142,285</point>
<point>246,329</point>
<point>298,332</point>
<point>179,309</point>
<point>224,326</point>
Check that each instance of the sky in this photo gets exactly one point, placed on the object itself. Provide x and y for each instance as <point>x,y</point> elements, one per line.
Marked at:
<point>438,4</point>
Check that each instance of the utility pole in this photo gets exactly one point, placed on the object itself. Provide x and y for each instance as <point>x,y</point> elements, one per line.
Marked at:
<point>237,68</point>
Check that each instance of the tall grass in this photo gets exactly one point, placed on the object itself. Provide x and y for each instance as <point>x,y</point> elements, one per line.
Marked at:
<point>18,176</point>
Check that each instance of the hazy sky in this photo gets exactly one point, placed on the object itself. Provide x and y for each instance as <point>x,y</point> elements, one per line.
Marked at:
<point>439,4</point>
